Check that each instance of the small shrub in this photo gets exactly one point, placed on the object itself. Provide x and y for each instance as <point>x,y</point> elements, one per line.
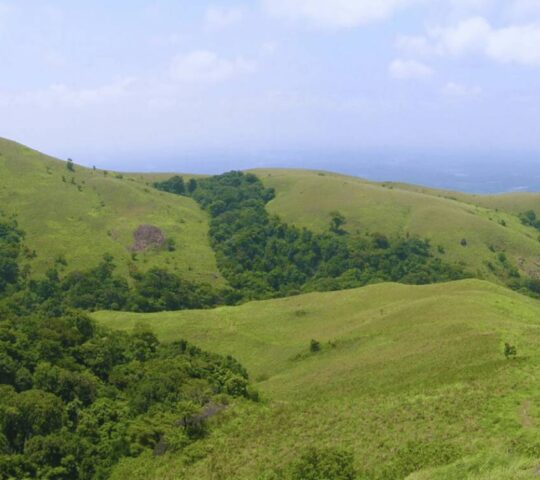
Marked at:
<point>510,351</point>
<point>463,242</point>
<point>170,245</point>
<point>314,346</point>
<point>324,464</point>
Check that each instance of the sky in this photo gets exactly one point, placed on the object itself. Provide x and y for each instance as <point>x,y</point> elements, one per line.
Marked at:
<point>142,85</point>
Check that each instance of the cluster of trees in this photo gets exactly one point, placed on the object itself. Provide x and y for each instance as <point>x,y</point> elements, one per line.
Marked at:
<point>530,219</point>
<point>10,248</point>
<point>99,288</point>
<point>177,185</point>
<point>262,257</point>
<point>76,397</point>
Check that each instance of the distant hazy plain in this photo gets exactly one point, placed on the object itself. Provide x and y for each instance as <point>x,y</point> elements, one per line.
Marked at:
<point>482,172</point>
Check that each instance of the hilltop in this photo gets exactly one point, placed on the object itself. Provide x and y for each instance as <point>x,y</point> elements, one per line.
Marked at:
<point>470,229</point>
<point>397,365</point>
<point>80,215</point>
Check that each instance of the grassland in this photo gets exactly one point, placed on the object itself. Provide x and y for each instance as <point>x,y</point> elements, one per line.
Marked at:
<point>489,224</point>
<point>514,203</point>
<point>411,379</point>
<point>83,214</point>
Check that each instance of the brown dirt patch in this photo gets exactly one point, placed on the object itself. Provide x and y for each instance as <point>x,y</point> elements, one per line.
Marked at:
<point>147,237</point>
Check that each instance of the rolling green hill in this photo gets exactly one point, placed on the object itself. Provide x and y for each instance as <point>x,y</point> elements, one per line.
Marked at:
<point>488,224</point>
<point>411,379</point>
<point>83,214</point>
<point>514,203</point>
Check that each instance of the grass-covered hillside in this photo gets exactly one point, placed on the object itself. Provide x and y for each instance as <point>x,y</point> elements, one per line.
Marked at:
<point>513,202</point>
<point>412,380</point>
<point>472,229</point>
<point>82,214</point>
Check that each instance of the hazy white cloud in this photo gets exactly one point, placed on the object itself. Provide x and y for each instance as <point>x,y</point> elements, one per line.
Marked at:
<point>352,13</point>
<point>519,44</point>
<point>462,6</point>
<point>207,66</point>
<point>167,40</point>
<point>5,11</point>
<point>523,9</point>
<point>512,44</point>
<point>453,89</point>
<point>219,18</point>
<point>62,96</point>
<point>409,69</point>
<point>415,45</point>
<point>336,13</point>
<point>269,48</point>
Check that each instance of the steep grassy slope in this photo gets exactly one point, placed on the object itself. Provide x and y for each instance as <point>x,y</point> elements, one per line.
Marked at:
<point>91,213</point>
<point>306,198</point>
<point>411,379</point>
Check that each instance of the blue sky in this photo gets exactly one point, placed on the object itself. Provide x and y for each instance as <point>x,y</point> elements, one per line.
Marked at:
<point>144,81</point>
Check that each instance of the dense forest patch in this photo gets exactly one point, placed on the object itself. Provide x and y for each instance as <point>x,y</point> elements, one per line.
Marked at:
<point>76,397</point>
<point>261,256</point>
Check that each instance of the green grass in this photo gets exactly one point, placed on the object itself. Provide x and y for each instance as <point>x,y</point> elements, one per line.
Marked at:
<point>412,379</point>
<point>514,203</point>
<point>98,213</point>
<point>306,198</point>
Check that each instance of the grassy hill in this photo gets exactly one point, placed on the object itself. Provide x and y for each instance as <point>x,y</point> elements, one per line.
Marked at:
<point>488,224</point>
<point>411,379</point>
<point>83,214</point>
<point>514,203</point>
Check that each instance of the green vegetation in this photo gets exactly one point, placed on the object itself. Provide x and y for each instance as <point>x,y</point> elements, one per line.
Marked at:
<point>328,464</point>
<point>410,380</point>
<point>384,382</point>
<point>306,199</point>
<point>510,351</point>
<point>100,288</point>
<point>75,398</point>
<point>261,257</point>
<point>10,250</point>
<point>529,218</point>
<point>93,212</point>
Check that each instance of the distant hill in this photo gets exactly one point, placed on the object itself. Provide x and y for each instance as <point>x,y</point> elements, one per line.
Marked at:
<point>80,215</point>
<point>409,378</point>
<point>471,229</point>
